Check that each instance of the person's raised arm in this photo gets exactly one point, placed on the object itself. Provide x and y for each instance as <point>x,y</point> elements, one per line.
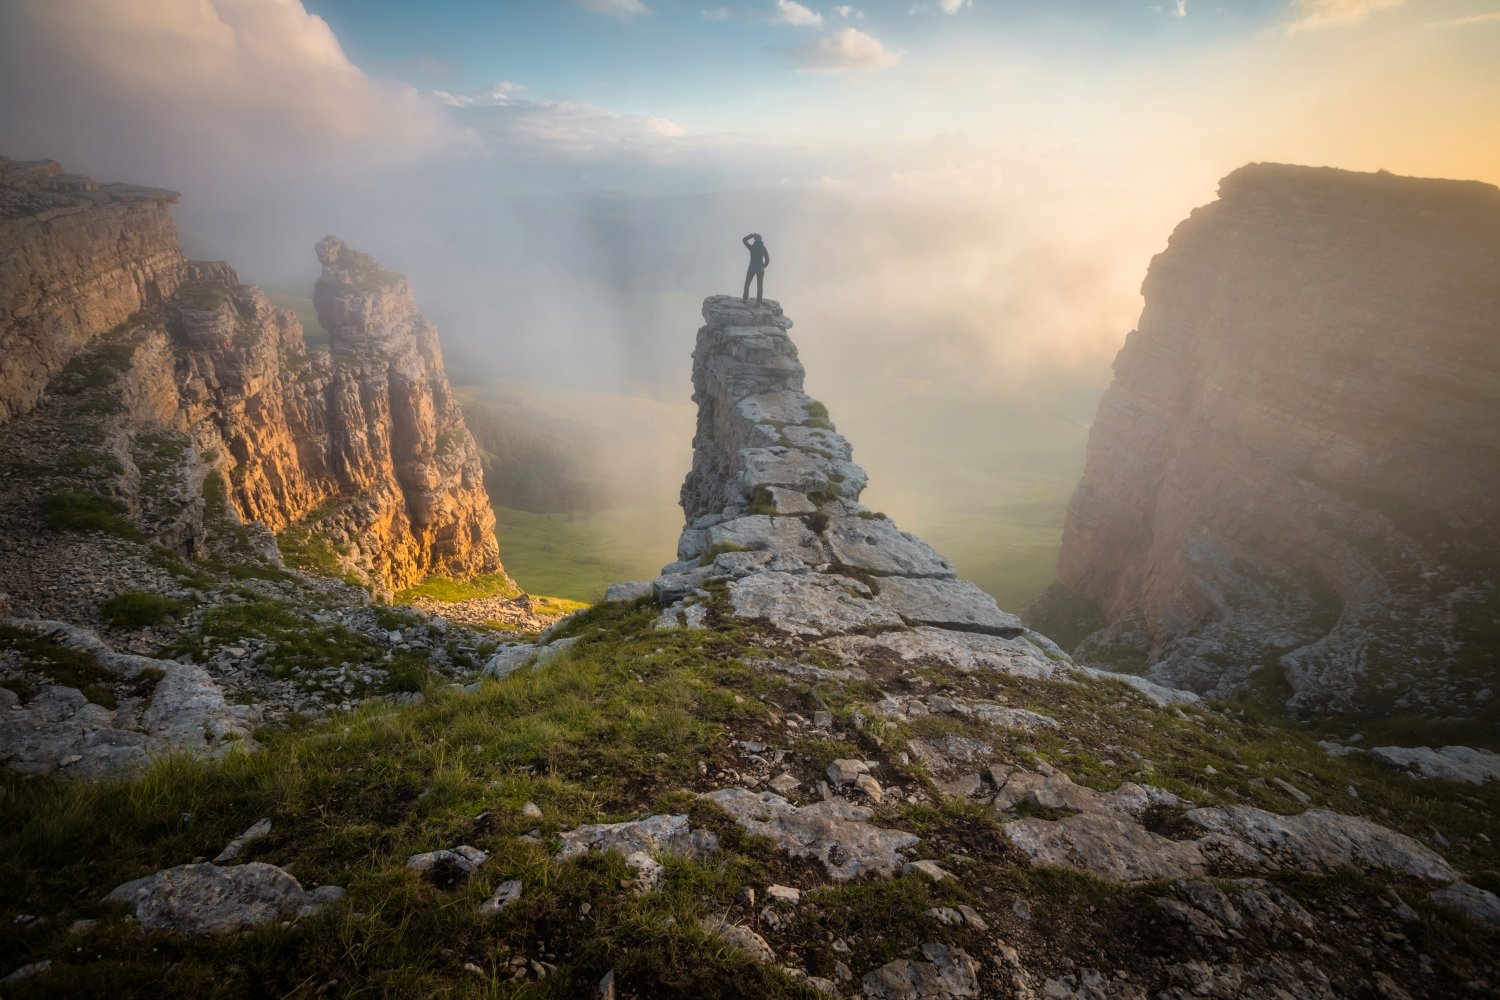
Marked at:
<point>748,240</point>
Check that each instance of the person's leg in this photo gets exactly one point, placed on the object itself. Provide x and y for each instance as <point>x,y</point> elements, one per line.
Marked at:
<point>746,297</point>
<point>760,285</point>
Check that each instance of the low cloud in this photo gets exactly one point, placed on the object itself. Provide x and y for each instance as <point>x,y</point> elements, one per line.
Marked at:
<point>572,129</point>
<point>187,88</point>
<point>845,10</point>
<point>1315,14</point>
<point>622,9</point>
<point>792,12</point>
<point>845,49</point>
<point>1463,22</point>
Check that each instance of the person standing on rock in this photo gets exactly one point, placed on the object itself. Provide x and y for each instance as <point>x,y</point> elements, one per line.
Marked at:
<point>759,259</point>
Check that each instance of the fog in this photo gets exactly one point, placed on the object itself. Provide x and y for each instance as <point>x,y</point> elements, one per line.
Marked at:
<point>958,287</point>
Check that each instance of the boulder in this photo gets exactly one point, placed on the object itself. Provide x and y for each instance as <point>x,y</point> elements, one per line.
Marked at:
<point>204,899</point>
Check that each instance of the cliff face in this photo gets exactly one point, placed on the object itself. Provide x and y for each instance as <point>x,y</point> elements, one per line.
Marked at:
<point>361,453</point>
<point>80,258</point>
<point>1296,472</point>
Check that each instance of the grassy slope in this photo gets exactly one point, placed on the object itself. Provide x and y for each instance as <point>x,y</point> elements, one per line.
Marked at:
<point>617,728</point>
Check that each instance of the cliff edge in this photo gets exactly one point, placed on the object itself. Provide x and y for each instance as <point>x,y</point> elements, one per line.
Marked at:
<point>1293,483</point>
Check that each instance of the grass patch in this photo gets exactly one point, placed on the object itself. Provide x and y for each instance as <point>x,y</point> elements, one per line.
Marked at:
<point>139,608</point>
<point>70,668</point>
<point>447,591</point>
<point>85,510</point>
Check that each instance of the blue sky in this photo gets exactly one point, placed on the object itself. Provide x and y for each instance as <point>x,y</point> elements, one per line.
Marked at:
<point>698,62</point>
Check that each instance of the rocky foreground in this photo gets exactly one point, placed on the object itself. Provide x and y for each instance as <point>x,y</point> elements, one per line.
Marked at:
<point>805,761</point>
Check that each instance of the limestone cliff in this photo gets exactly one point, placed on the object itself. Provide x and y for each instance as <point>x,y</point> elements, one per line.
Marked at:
<point>1295,475</point>
<point>79,258</point>
<point>361,454</point>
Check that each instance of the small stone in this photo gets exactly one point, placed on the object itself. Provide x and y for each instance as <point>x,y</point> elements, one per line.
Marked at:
<point>464,858</point>
<point>26,972</point>
<point>1021,909</point>
<point>784,894</point>
<point>607,986</point>
<point>259,830</point>
<point>531,811</point>
<point>506,893</point>
<point>784,783</point>
<point>869,786</point>
<point>946,915</point>
<point>926,867</point>
<point>476,970</point>
<point>844,771</point>
<point>972,917</point>
<point>823,720</point>
<point>1292,790</point>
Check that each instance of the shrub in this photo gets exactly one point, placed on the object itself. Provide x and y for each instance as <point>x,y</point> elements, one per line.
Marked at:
<point>85,510</point>
<point>139,608</point>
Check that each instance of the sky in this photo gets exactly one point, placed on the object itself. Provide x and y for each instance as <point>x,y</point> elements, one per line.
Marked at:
<point>990,176</point>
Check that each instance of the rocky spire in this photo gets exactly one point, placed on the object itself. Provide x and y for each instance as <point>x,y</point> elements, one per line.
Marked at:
<point>773,512</point>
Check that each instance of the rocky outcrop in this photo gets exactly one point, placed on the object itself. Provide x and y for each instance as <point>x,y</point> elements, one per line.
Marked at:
<point>1296,471</point>
<point>360,452</point>
<point>79,259</point>
<point>365,445</point>
<point>774,519</point>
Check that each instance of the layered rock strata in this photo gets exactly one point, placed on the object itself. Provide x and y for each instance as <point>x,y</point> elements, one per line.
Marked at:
<point>365,445</point>
<point>1296,471</point>
<point>194,389</point>
<point>773,513</point>
<point>79,258</point>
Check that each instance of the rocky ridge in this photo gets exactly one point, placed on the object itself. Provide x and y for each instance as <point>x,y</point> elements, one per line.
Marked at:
<point>360,452</point>
<point>1291,484</point>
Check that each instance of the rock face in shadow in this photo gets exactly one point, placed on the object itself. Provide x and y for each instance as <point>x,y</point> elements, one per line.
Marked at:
<point>1294,480</point>
<point>361,451</point>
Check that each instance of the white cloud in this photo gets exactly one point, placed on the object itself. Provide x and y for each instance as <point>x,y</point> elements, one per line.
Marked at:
<point>845,49</point>
<point>623,9</point>
<point>952,6</point>
<point>180,88</point>
<point>495,93</point>
<point>1178,9</point>
<point>792,12</point>
<point>845,10</point>
<point>715,13</point>
<point>1313,14</point>
<point>569,128</point>
<point>1461,22</point>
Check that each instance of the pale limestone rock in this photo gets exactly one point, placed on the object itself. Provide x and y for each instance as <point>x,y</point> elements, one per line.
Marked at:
<point>203,899</point>
<point>257,831</point>
<point>834,832</point>
<point>1464,764</point>
<point>962,651</point>
<point>812,605</point>
<point>59,732</point>
<point>738,936</point>
<point>464,859</point>
<point>1108,846</point>
<point>948,972</point>
<point>633,590</point>
<point>1481,904</point>
<point>878,546</point>
<point>1321,840</point>
<point>505,894</point>
<point>640,841</point>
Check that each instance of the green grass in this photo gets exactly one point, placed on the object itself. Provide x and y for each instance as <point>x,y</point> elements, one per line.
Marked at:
<point>578,556</point>
<point>139,608</point>
<point>85,510</point>
<point>440,588</point>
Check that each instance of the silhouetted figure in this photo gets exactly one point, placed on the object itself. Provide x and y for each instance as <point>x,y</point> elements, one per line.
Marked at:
<point>759,258</point>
